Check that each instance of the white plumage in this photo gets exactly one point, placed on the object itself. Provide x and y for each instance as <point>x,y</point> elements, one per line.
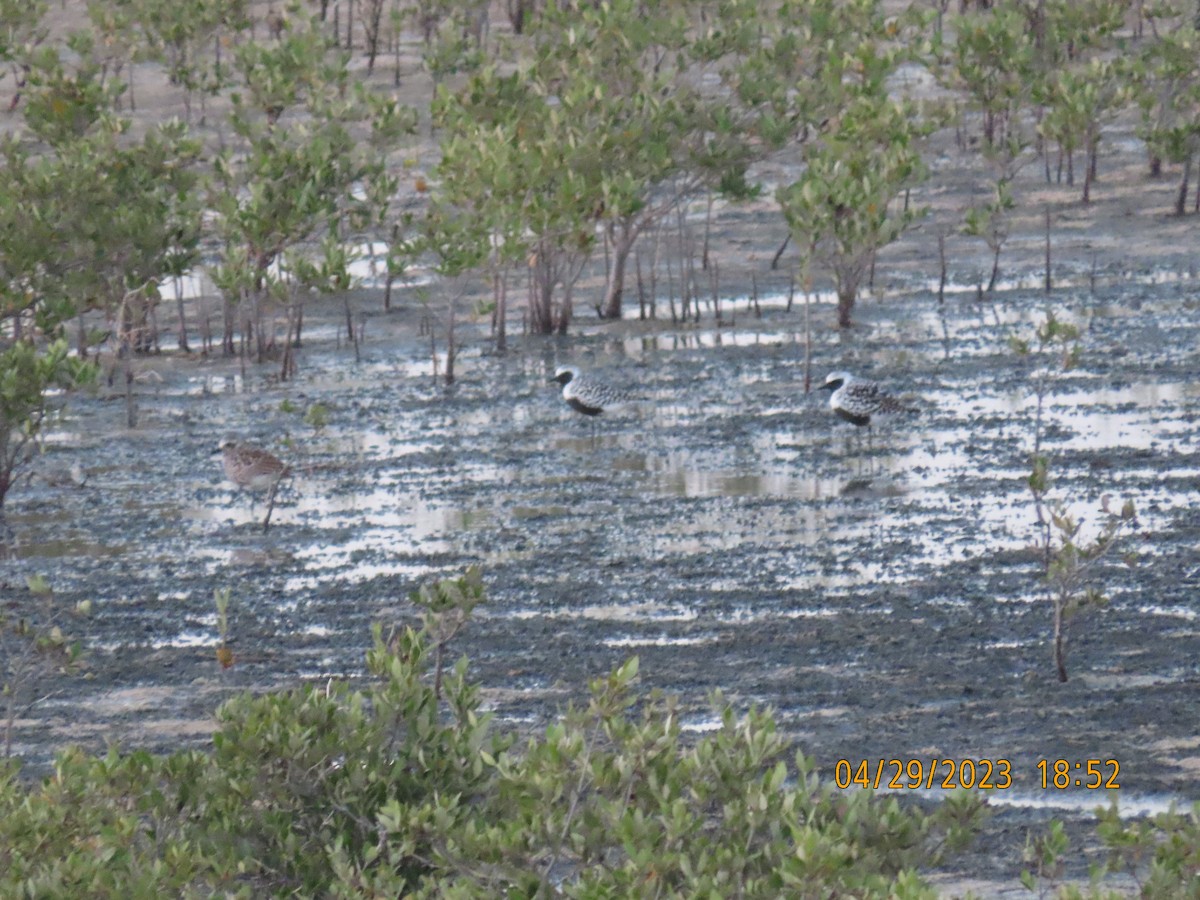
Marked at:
<point>588,394</point>
<point>857,399</point>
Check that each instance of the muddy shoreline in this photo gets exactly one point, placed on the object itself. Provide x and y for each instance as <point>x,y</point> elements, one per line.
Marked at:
<point>882,599</point>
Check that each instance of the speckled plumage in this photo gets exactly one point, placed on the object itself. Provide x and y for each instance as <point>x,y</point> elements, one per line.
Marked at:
<point>251,467</point>
<point>587,394</point>
<point>857,399</point>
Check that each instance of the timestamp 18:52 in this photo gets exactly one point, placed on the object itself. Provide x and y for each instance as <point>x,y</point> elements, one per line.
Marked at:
<point>1091,774</point>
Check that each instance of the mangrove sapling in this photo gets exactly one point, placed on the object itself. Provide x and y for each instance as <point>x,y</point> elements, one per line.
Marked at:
<point>1157,854</point>
<point>1069,563</point>
<point>132,330</point>
<point>27,377</point>
<point>33,647</point>
<point>1052,336</point>
<point>447,607</point>
<point>991,221</point>
<point>840,208</point>
<point>221,599</point>
<point>1044,854</point>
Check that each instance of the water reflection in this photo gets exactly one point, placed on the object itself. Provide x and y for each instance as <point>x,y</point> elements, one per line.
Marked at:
<point>727,455</point>
<point>701,339</point>
<point>1080,801</point>
<point>662,640</point>
<point>694,483</point>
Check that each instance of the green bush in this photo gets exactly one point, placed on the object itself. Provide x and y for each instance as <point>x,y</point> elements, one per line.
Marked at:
<point>27,376</point>
<point>1160,854</point>
<point>405,789</point>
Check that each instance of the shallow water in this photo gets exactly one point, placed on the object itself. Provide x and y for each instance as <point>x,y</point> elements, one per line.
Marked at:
<point>878,591</point>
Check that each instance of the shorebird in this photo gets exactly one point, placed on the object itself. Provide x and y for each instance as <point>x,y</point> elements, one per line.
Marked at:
<point>588,395</point>
<point>250,467</point>
<point>858,399</point>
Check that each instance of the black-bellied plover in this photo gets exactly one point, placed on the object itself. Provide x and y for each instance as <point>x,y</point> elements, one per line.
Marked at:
<point>250,467</point>
<point>857,399</point>
<point>589,395</point>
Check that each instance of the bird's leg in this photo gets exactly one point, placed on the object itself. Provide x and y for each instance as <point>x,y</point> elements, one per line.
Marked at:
<point>271,504</point>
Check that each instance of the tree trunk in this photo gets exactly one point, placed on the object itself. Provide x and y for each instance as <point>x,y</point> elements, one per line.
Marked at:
<point>1060,642</point>
<point>1089,171</point>
<point>502,313</point>
<point>81,334</point>
<point>995,269</point>
<point>707,231</point>
<point>391,275</point>
<point>1181,199</point>
<point>451,346</point>
<point>564,314</point>
<point>846,296</point>
<point>941,292</point>
<point>131,415</point>
<point>541,318</point>
<point>374,13</point>
<point>1048,284</point>
<point>622,244</point>
<point>286,369</point>
<point>778,253</point>
<point>183,338</point>
<point>541,307</point>
<point>227,314</point>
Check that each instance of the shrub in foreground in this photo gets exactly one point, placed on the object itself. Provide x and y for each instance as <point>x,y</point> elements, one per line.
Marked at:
<point>406,789</point>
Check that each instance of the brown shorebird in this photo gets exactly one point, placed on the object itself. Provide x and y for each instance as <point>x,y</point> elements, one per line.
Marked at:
<point>250,467</point>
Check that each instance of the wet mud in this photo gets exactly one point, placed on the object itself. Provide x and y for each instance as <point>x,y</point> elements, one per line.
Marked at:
<point>879,591</point>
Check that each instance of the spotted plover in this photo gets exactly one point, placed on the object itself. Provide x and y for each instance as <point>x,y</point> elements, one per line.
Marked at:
<point>253,468</point>
<point>857,399</point>
<point>587,395</point>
